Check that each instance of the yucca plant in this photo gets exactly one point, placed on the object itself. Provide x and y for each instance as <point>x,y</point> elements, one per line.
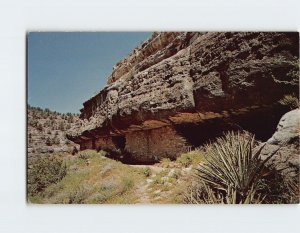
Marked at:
<point>201,193</point>
<point>233,169</point>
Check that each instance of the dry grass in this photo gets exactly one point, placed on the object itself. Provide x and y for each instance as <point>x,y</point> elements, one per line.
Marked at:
<point>94,179</point>
<point>193,158</point>
<point>102,180</point>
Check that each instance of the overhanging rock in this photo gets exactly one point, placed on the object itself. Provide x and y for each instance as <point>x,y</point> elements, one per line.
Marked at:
<point>181,82</point>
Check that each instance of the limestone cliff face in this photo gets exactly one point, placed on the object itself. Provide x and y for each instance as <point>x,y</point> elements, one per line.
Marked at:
<point>184,78</point>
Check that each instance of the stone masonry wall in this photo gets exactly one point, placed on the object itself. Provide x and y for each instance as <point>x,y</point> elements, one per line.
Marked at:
<point>154,144</point>
<point>87,144</point>
<point>103,143</point>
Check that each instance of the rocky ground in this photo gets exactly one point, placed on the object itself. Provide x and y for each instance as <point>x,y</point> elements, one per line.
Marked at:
<point>46,131</point>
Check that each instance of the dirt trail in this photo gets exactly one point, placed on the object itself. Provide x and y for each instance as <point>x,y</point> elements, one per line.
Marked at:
<point>142,190</point>
<point>142,193</point>
<point>147,193</point>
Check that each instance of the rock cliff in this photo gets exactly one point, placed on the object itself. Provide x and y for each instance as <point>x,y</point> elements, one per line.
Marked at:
<point>180,89</point>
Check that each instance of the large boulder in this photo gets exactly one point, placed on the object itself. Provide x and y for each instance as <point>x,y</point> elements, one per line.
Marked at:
<point>286,137</point>
<point>288,129</point>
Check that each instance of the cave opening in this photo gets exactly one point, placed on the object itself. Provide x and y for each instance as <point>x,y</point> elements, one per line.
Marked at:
<point>262,123</point>
<point>202,133</point>
<point>119,141</point>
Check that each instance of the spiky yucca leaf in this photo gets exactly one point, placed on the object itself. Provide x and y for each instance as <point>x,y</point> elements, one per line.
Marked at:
<point>200,193</point>
<point>233,167</point>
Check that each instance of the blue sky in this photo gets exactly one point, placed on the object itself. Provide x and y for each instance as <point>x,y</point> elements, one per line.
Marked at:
<point>67,68</point>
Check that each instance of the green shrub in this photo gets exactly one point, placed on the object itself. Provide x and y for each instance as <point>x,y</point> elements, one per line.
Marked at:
<point>52,190</point>
<point>78,196</point>
<point>86,154</point>
<point>147,171</point>
<point>165,161</point>
<point>191,158</point>
<point>44,172</point>
<point>113,190</point>
<point>175,175</point>
<point>83,156</point>
<point>106,170</point>
<point>107,190</point>
<point>127,183</point>
<point>232,170</point>
<point>159,179</point>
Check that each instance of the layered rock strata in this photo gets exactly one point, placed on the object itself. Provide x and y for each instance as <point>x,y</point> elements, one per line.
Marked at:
<point>176,82</point>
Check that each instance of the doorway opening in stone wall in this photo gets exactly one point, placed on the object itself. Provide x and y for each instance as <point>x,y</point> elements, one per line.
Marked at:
<point>119,141</point>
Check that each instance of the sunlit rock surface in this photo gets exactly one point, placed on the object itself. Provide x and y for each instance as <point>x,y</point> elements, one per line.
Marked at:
<point>172,91</point>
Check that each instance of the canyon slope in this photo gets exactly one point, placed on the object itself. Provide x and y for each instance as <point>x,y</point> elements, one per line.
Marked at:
<point>178,90</point>
<point>46,132</point>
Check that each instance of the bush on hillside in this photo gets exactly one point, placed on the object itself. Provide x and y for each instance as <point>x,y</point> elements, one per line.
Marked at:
<point>44,172</point>
<point>147,172</point>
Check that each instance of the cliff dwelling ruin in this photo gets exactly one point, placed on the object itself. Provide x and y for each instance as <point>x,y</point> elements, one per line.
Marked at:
<point>179,90</point>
